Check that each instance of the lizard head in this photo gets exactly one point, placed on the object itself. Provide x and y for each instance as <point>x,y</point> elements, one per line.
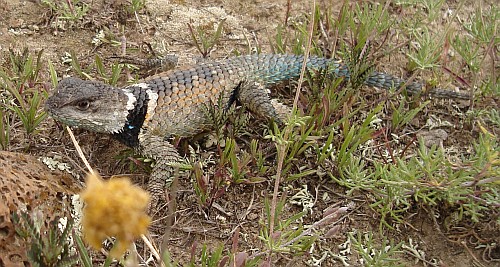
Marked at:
<point>90,105</point>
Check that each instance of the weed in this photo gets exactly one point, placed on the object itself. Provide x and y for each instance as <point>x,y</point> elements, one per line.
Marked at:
<point>483,25</point>
<point>368,21</point>
<point>70,11</point>
<point>287,236</point>
<point>55,243</point>
<point>136,5</point>
<point>279,44</point>
<point>29,113</point>
<point>85,258</point>
<point>426,50</point>
<point>111,78</point>
<point>4,130</point>
<point>24,92</point>
<point>429,178</point>
<point>207,188</point>
<point>294,144</point>
<point>374,254</point>
<point>290,236</point>
<point>469,51</point>
<point>493,117</point>
<point>49,245</point>
<point>286,41</point>
<point>238,167</point>
<point>401,117</point>
<point>472,47</point>
<point>203,42</point>
<point>209,257</point>
<point>258,156</point>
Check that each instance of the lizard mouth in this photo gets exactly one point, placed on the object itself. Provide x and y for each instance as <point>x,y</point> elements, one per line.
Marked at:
<point>51,106</point>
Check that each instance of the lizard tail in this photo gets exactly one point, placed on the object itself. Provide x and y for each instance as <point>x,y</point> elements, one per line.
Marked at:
<point>274,68</point>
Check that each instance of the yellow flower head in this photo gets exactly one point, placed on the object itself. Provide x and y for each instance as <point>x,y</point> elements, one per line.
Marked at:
<point>114,208</point>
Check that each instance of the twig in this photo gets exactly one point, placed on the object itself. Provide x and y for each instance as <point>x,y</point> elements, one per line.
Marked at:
<point>172,206</point>
<point>138,22</point>
<point>79,150</point>
<point>283,147</point>
<point>151,247</point>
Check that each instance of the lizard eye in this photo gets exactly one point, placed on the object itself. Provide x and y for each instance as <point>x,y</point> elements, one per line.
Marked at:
<point>83,105</point>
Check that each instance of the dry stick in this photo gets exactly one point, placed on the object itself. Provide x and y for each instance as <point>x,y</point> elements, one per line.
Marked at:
<point>172,206</point>
<point>70,6</point>
<point>138,22</point>
<point>490,50</point>
<point>149,244</point>
<point>447,31</point>
<point>283,146</point>
<point>336,31</point>
<point>79,150</point>
<point>287,15</point>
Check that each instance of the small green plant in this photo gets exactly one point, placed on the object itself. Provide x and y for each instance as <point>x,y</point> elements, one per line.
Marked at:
<point>258,156</point>
<point>296,41</point>
<point>370,19</point>
<point>290,236</point>
<point>209,188</point>
<point>294,144</point>
<point>431,9</point>
<point>373,253</point>
<point>200,185</point>
<point>111,78</point>
<point>85,259</point>
<point>327,96</point>
<point>400,117</point>
<point>209,257</point>
<point>239,168</point>
<point>483,24</point>
<point>483,36</point>
<point>98,65</point>
<point>24,92</point>
<point>279,44</point>
<point>218,114</point>
<point>427,53</point>
<point>4,129</point>
<point>203,42</point>
<point>469,51</point>
<point>287,236</point>
<point>359,64</point>
<point>354,136</point>
<point>29,113</point>
<point>428,178</point>
<point>493,116</point>
<point>54,243</point>
<point>49,244</point>
<point>136,6</point>
<point>71,10</point>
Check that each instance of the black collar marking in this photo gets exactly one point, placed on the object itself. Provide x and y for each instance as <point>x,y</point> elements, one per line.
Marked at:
<point>129,135</point>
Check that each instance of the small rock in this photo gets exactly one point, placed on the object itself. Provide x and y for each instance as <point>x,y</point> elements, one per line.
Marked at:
<point>433,137</point>
<point>252,216</point>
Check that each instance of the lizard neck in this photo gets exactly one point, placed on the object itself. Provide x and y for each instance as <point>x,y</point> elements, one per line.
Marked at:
<point>137,106</point>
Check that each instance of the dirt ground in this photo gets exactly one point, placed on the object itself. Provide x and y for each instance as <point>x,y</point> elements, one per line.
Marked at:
<point>163,25</point>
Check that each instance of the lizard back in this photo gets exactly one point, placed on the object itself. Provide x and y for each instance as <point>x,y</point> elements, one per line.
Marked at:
<point>175,99</point>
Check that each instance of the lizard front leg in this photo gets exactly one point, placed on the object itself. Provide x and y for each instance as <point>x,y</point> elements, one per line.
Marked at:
<point>164,153</point>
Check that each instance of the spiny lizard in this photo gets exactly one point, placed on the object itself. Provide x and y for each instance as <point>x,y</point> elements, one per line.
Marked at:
<point>145,114</point>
